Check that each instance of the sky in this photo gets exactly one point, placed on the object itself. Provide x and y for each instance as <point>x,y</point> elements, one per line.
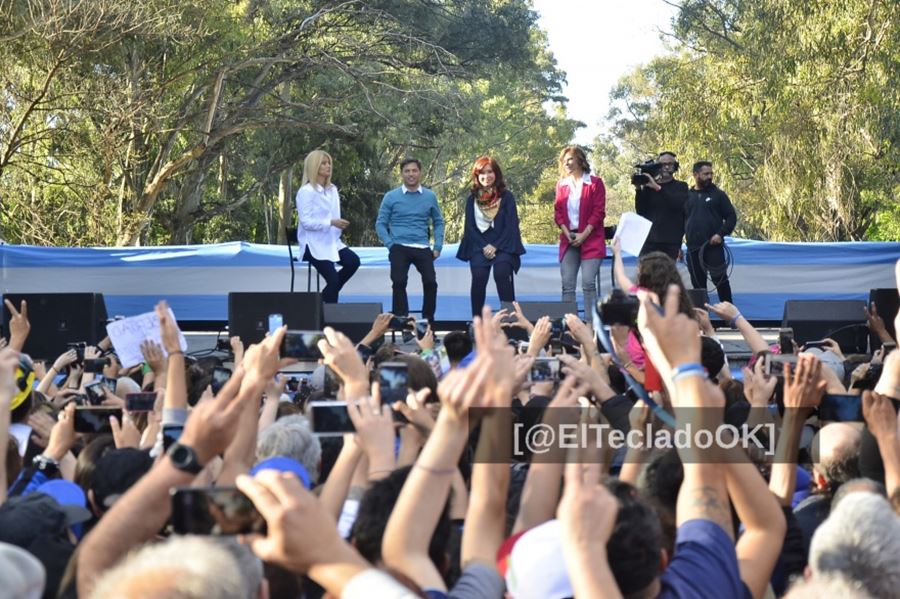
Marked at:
<point>595,42</point>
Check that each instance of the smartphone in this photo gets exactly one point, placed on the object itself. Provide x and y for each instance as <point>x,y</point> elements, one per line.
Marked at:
<point>140,402</point>
<point>275,322</point>
<point>330,418</point>
<point>557,327</point>
<point>94,392</point>
<point>841,408</point>
<point>819,344</point>
<point>79,348</point>
<point>90,419</point>
<point>786,341</point>
<point>111,384</point>
<point>220,376</point>
<point>96,365</point>
<point>302,345</point>
<point>544,370</point>
<point>400,323</point>
<point>365,352</point>
<point>393,380</point>
<point>774,363</point>
<point>421,328</point>
<point>171,434</point>
<point>214,511</point>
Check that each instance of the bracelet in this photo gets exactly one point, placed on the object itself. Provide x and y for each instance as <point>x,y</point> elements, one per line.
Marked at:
<point>175,353</point>
<point>687,369</point>
<point>53,368</point>
<point>734,320</point>
<point>436,471</point>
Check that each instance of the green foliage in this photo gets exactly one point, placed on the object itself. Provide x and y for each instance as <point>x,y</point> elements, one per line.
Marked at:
<point>796,104</point>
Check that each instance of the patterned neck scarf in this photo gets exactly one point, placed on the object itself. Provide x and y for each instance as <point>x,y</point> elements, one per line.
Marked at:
<point>488,201</point>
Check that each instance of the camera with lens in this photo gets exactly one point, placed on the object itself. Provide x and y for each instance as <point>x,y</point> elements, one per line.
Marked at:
<point>650,167</point>
<point>619,308</point>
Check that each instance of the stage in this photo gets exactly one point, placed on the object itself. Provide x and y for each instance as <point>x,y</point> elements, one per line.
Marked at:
<point>196,280</point>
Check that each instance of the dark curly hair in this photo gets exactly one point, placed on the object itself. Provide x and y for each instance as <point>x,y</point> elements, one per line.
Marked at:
<point>656,271</point>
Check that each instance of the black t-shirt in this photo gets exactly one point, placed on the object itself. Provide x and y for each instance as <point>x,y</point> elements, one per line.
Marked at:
<point>665,209</point>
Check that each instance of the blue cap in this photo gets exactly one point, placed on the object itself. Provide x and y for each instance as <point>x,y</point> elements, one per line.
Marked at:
<point>283,464</point>
<point>468,359</point>
<point>71,499</point>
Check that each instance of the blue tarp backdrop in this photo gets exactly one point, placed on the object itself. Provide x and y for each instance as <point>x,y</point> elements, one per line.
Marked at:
<point>196,280</point>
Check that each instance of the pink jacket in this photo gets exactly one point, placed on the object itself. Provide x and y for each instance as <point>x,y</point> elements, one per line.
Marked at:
<point>592,211</point>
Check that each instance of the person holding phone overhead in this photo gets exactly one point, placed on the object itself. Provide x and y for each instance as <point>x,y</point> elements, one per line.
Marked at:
<point>491,236</point>
<point>580,208</point>
<point>321,225</point>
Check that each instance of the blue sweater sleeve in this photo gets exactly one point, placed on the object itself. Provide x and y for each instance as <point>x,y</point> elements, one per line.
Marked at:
<point>384,217</point>
<point>438,219</point>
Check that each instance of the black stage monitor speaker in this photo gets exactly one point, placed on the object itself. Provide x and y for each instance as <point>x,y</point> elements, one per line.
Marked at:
<point>353,320</point>
<point>699,297</point>
<point>887,302</point>
<point>248,313</point>
<point>534,310</point>
<point>841,320</point>
<point>57,319</point>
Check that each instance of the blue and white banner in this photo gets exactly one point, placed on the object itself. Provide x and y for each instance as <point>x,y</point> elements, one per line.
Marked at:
<point>196,280</point>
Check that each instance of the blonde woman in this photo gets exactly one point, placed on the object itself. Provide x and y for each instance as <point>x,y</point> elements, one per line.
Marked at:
<point>321,225</point>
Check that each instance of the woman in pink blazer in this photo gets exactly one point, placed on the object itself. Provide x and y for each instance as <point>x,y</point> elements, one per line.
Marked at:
<point>580,208</point>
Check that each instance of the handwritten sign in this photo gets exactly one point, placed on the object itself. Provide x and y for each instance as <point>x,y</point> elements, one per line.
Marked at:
<point>128,334</point>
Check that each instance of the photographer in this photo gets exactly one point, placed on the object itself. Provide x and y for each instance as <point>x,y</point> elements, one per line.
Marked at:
<point>660,198</point>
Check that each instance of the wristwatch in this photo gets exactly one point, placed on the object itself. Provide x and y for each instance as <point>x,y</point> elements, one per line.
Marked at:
<point>184,458</point>
<point>45,464</point>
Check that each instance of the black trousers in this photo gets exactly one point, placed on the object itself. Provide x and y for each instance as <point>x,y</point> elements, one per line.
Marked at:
<point>334,279</point>
<point>480,267</point>
<point>401,257</point>
<point>714,259</point>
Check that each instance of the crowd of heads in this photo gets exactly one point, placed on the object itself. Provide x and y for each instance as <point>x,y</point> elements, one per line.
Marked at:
<point>427,496</point>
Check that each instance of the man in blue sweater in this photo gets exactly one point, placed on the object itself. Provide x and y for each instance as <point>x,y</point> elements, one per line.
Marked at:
<point>404,224</point>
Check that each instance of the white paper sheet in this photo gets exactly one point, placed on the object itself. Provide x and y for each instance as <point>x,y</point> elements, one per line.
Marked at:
<point>128,334</point>
<point>632,232</point>
<point>22,434</point>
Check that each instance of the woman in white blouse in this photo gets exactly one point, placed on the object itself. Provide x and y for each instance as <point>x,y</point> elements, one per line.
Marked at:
<point>319,231</point>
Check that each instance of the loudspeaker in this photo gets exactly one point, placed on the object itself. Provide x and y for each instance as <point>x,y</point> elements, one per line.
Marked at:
<point>699,297</point>
<point>353,320</point>
<point>57,319</point>
<point>841,320</point>
<point>887,303</point>
<point>248,313</point>
<point>534,310</point>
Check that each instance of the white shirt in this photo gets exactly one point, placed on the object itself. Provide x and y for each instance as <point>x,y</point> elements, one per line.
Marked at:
<point>574,203</point>
<point>317,206</point>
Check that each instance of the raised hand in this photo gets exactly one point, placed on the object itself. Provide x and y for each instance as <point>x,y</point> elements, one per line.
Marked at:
<point>213,422</point>
<point>168,328</point>
<point>520,320</point>
<point>237,348</point>
<point>758,387</point>
<point>540,335</point>
<point>881,419</point>
<point>415,410</point>
<point>153,356</point>
<point>340,354</point>
<point>724,310</point>
<point>804,387</point>
<point>671,339</point>
<point>374,426</point>
<point>63,361</point>
<point>125,434</point>
<point>587,512</point>
<point>62,434</point>
<point>19,325</point>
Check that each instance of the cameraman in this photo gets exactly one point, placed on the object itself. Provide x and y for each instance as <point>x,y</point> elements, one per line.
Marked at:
<point>661,200</point>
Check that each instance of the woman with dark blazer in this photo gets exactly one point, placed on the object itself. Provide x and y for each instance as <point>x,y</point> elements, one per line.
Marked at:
<point>491,237</point>
<point>580,208</point>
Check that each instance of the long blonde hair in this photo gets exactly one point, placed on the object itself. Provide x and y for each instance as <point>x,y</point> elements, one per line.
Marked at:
<point>311,165</point>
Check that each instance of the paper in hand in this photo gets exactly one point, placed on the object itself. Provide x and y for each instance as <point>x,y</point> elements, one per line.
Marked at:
<point>632,232</point>
<point>128,334</point>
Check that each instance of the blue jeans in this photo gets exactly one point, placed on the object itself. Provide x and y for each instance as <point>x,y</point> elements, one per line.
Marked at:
<point>568,268</point>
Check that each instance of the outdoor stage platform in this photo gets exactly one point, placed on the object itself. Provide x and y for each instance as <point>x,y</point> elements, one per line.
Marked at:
<point>196,280</point>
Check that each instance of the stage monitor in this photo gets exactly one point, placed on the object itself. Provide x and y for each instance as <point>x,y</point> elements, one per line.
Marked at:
<point>248,313</point>
<point>57,319</point>
<point>841,320</point>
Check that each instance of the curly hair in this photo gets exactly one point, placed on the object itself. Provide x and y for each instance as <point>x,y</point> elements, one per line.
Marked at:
<point>656,271</point>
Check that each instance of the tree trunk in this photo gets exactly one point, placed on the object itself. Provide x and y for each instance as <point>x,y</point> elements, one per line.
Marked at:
<point>285,204</point>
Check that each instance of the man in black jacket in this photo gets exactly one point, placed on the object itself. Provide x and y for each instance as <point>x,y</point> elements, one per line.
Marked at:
<point>661,201</point>
<point>708,218</point>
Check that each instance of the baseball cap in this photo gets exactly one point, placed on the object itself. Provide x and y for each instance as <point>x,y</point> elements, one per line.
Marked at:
<point>70,497</point>
<point>283,464</point>
<point>22,518</point>
<point>22,574</point>
<point>24,378</point>
<point>532,564</point>
<point>116,472</point>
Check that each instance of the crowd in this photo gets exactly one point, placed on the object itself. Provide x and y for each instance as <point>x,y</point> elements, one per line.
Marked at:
<point>430,496</point>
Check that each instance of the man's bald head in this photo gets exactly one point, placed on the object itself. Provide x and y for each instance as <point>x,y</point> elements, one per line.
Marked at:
<point>836,453</point>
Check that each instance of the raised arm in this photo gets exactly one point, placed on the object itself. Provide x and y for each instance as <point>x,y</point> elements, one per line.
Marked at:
<point>730,314</point>
<point>19,325</point>
<point>622,279</point>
